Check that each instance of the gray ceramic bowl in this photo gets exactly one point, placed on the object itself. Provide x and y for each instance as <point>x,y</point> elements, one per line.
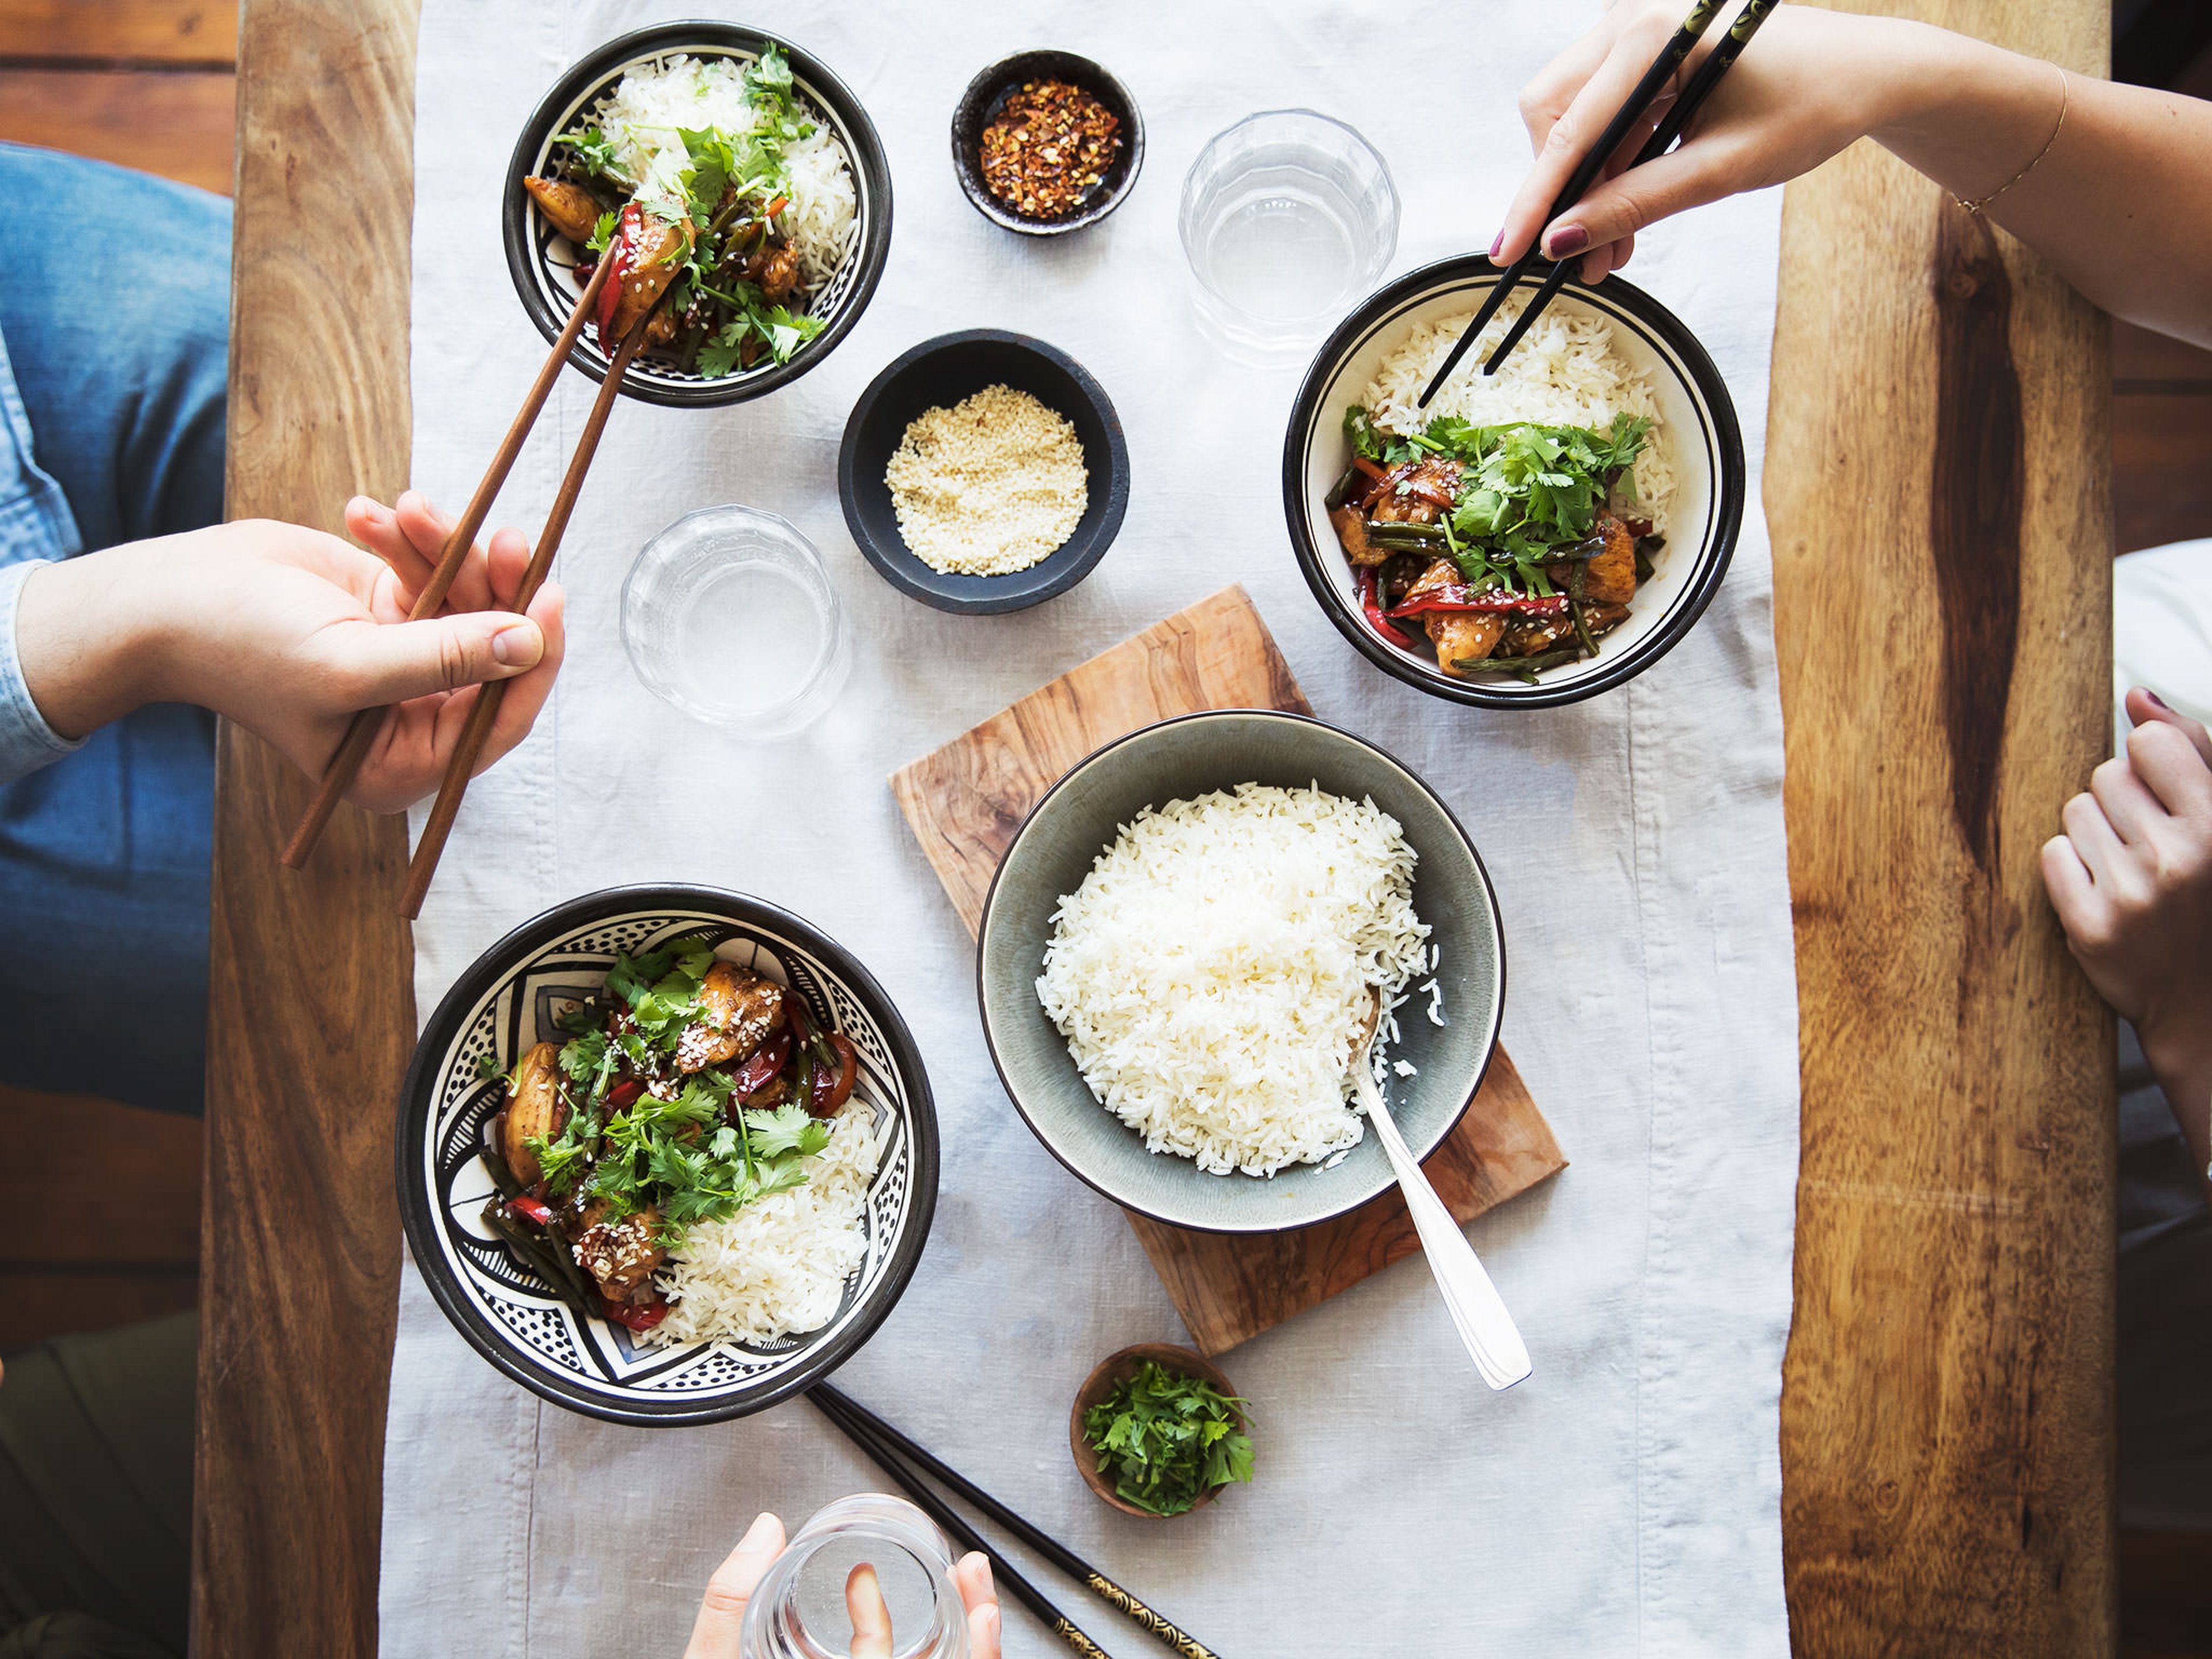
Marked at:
<point>1175,760</point>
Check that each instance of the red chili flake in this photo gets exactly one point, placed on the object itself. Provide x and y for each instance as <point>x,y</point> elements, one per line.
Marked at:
<point>1048,148</point>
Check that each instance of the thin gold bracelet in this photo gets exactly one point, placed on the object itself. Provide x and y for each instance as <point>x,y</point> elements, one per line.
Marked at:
<point>1976,205</point>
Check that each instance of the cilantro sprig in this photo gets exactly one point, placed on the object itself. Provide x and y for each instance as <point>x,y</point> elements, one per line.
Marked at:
<point>1164,1438</point>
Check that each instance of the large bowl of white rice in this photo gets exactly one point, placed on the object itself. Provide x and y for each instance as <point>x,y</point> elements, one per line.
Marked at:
<point>1596,355</point>
<point>793,1283</point>
<point>643,88</point>
<point>1174,956</point>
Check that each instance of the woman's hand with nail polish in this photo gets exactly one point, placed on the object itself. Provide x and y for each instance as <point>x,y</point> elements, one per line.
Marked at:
<point>1808,86</point>
<point>288,632</point>
<point>715,1633</point>
<point>2131,881</point>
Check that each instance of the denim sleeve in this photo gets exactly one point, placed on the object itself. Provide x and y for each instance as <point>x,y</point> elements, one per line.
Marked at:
<point>27,742</point>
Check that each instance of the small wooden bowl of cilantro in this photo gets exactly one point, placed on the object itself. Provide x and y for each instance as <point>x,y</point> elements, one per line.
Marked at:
<point>1158,1430</point>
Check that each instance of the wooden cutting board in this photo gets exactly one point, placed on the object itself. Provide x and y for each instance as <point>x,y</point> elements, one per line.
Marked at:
<point>966,800</point>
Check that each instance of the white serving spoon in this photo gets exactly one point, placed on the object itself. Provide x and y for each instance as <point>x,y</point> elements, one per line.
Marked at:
<point>1476,1308</point>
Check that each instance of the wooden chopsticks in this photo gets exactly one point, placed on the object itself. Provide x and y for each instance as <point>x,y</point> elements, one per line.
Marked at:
<point>1702,83</point>
<point>361,736</point>
<point>1617,130</point>
<point>904,1460</point>
<point>461,765</point>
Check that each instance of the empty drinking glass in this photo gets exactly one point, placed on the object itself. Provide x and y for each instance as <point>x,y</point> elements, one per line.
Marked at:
<point>729,614</point>
<point>797,1611</point>
<point>1286,216</point>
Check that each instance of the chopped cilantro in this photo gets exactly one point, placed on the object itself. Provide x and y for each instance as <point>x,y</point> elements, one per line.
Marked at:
<point>1163,1438</point>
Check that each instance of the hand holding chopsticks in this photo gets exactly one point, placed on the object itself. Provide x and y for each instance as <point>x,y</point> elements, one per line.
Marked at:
<point>1634,109</point>
<point>361,736</point>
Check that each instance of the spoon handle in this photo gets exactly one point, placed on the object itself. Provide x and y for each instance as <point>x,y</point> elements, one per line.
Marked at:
<point>1484,1325</point>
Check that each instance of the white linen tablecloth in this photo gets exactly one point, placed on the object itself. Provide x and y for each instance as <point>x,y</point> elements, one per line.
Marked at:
<point>1623,1501</point>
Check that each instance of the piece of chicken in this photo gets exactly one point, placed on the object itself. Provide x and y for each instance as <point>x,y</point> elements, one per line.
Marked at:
<point>1458,636</point>
<point>739,1012</point>
<point>1411,502</point>
<point>1531,636</point>
<point>569,209</point>
<point>535,1111</point>
<point>654,262</point>
<point>1610,578</point>
<point>619,1255</point>
<point>779,274</point>
<point>1352,531</point>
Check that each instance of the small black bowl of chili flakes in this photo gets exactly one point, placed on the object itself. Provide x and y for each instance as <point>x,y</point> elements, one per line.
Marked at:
<point>1045,143</point>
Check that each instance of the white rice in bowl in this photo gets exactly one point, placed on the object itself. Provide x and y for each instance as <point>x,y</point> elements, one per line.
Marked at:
<point>1568,371</point>
<point>642,117</point>
<point>1213,970</point>
<point>779,1264</point>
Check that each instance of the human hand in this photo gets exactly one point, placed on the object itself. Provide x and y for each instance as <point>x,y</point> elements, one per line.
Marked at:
<point>1811,83</point>
<point>722,1613</point>
<point>2131,881</point>
<point>289,632</point>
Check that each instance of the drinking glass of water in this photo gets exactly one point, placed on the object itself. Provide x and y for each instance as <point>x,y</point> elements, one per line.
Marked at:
<point>729,614</point>
<point>1286,217</point>
<point>799,1610</point>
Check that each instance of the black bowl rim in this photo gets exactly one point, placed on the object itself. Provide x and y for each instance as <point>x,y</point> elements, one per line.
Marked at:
<point>1498,1012</point>
<point>713,37</point>
<point>1729,487</point>
<point>1050,576</point>
<point>987,84</point>
<point>497,962</point>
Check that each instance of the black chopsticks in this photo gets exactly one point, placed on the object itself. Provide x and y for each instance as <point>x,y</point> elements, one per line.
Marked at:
<point>905,1462</point>
<point>1670,128</point>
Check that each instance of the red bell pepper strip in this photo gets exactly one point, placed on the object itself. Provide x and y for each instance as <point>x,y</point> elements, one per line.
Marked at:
<point>1372,469</point>
<point>1370,604</point>
<point>637,1319</point>
<point>530,1209</point>
<point>1434,494</point>
<point>761,1064</point>
<point>1453,597</point>
<point>1388,482</point>
<point>622,249</point>
<point>831,1089</point>
<point>624,1093</point>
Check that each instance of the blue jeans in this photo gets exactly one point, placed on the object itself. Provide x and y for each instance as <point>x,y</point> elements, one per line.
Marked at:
<point>114,318</point>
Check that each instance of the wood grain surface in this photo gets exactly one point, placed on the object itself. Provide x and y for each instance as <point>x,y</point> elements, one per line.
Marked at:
<point>200,34</point>
<point>964,802</point>
<point>1937,488</point>
<point>311,1014</point>
<point>178,126</point>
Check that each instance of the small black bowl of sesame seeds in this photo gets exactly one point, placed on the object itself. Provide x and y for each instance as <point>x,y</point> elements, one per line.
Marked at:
<point>1045,143</point>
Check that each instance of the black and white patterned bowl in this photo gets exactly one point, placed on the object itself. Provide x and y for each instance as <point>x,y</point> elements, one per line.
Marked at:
<point>506,1002</point>
<point>1699,423</point>
<point>542,262</point>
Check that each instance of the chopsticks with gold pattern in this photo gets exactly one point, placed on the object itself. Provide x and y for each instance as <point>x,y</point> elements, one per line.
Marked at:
<point>353,748</point>
<point>905,1462</point>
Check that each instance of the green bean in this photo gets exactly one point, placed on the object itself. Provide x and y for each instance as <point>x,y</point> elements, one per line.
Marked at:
<point>1526,668</point>
<point>1340,491</point>
<point>541,1257</point>
<point>494,1163</point>
<point>1405,537</point>
<point>1575,610</point>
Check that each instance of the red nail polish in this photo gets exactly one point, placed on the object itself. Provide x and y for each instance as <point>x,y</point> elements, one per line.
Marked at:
<point>1569,242</point>
<point>2156,702</point>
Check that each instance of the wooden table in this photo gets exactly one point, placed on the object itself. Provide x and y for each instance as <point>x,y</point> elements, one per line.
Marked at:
<point>1940,411</point>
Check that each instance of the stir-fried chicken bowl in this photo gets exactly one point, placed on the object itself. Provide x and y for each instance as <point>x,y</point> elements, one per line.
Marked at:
<point>666,1155</point>
<point>1523,539</point>
<point>737,187</point>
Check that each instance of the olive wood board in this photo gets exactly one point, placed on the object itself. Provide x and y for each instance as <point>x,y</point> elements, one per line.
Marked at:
<point>964,802</point>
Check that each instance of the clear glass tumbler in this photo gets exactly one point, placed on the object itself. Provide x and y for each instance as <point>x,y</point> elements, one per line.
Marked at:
<point>1286,217</point>
<point>799,1610</point>
<point>729,614</point>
